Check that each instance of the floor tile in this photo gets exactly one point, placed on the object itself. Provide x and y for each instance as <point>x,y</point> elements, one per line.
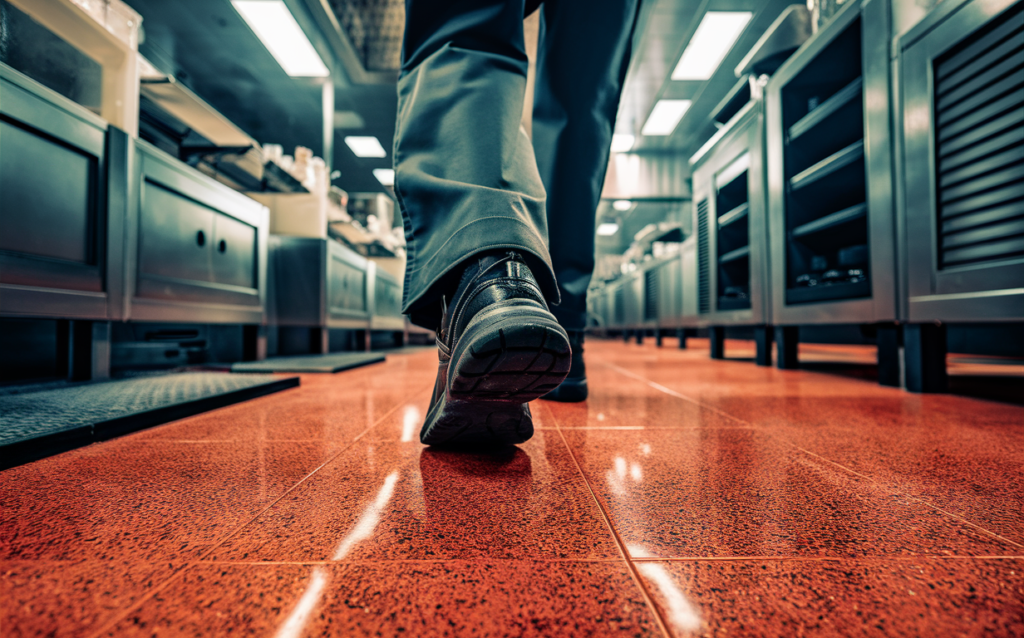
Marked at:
<point>71,598</point>
<point>915,597</point>
<point>122,500</point>
<point>390,599</point>
<point>736,492</point>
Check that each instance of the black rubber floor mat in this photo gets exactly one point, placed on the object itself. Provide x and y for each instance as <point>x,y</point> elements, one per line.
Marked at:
<point>335,362</point>
<point>39,423</point>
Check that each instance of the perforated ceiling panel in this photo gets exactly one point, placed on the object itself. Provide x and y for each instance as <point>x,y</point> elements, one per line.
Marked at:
<point>374,27</point>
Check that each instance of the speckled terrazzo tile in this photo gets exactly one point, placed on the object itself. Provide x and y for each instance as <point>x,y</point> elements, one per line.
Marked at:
<point>399,500</point>
<point>736,492</point>
<point>915,597</point>
<point>143,501</point>
<point>455,598</point>
<point>962,455</point>
<point>71,598</point>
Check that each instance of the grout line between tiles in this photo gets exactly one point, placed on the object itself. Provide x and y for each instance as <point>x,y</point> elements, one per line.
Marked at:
<point>648,599</point>
<point>842,559</point>
<point>429,561</point>
<point>166,582</point>
<point>782,440</point>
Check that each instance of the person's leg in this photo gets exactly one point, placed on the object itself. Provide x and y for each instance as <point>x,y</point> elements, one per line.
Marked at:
<point>478,267</point>
<point>465,174</point>
<point>582,58</point>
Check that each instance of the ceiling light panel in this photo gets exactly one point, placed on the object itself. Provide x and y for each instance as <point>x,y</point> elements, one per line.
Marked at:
<point>386,176</point>
<point>607,229</point>
<point>665,116</point>
<point>277,29</point>
<point>622,205</point>
<point>365,146</point>
<point>715,36</point>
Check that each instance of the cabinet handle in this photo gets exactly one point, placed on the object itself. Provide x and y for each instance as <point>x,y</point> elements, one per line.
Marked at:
<point>201,238</point>
<point>222,246</point>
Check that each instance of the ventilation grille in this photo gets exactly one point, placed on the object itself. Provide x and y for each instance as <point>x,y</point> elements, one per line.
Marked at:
<point>979,130</point>
<point>703,260</point>
<point>651,294</point>
<point>620,306</point>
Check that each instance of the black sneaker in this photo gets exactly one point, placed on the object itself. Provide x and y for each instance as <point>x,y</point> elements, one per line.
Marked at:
<point>499,347</point>
<point>574,388</point>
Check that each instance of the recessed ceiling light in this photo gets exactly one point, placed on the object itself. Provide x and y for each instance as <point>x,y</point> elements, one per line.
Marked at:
<point>664,117</point>
<point>715,35</point>
<point>622,205</point>
<point>365,146</point>
<point>607,229</point>
<point>622,143</point>
<point>277,29</point>
<point>386,176</point>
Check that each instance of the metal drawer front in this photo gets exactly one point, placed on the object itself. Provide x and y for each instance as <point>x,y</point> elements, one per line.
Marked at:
<point>347,287</point>
<point>234,252</point>
<point>176,234</point>
<point>979,124</point>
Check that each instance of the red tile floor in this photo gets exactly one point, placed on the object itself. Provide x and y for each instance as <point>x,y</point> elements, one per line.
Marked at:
<point>686,497</point>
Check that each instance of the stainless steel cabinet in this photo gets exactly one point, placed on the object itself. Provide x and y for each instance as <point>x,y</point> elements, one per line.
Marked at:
<point>386,304</point>
<point>319,283</point>
<point>961,208</point>
<point>196,249</point>
<point>829,175</point>
<point>730,223</point>
<point>63,173</point>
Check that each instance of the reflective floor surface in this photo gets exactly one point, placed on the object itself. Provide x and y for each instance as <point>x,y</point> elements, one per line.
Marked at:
<point>686,497</point>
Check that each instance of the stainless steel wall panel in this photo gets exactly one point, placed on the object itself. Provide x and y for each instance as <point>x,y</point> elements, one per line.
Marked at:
<point>962,144</point>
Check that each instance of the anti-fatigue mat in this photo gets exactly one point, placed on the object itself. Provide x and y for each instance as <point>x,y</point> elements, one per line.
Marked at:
<point>35,423</point>
<point>335,362</point>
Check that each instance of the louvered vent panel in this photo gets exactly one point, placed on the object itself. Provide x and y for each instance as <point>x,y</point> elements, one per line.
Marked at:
<point>703,260</point>
<point>979,130</point>
<point>620,306</point>
<point>651,294</point>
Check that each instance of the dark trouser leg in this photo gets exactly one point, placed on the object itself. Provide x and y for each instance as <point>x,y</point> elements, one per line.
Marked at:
<point>465,173</point>
<point>582,57</point>
<point>889,355</point>
<point>763,342</point>
<point>716,335</point>
<point>924,352</point>
<point>788,340</point>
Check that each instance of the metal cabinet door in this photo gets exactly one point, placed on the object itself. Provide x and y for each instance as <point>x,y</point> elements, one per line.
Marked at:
<point>233,252</point>
<point>176,236</point>
<point>346,287</point>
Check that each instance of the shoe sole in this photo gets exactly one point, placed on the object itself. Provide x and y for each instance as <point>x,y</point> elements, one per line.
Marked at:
<point>509,355</point>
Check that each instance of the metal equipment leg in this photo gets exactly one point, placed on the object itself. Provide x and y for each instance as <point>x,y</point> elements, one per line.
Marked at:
<point>319,340</point>
<point>681,333</point>
<point>888,354</point>
<point>925,357</point>
<point>84,349</point>
<point>788,340</point>
<point>657,337</point>
<point>625,336</point>
<point>254,342</point>
<point>717,337</point>
<point>639,337</point>
<point>763,341</point>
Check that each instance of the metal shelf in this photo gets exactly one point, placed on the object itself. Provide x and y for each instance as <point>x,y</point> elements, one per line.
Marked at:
<point>828,166</point>
<point>733,215</point>
<point>844,216</point>
<point>826,109</point>
<point>829,292</point>
<point>734,255</point>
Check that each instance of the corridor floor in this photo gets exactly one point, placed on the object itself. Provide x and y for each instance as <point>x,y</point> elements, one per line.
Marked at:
<point>686,497</point>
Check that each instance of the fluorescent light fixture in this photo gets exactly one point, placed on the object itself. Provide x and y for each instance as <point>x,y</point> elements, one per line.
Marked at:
<point>386,176</point>
<point>715,35</point>
<point>607,229</point>
<point>622,143</point>
<point>664,117</point>
<point>622,205</point>
<point>277,29</point>
<point>365,146</point>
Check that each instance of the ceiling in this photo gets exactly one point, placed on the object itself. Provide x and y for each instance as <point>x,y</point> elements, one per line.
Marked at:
<point>210,49</point>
